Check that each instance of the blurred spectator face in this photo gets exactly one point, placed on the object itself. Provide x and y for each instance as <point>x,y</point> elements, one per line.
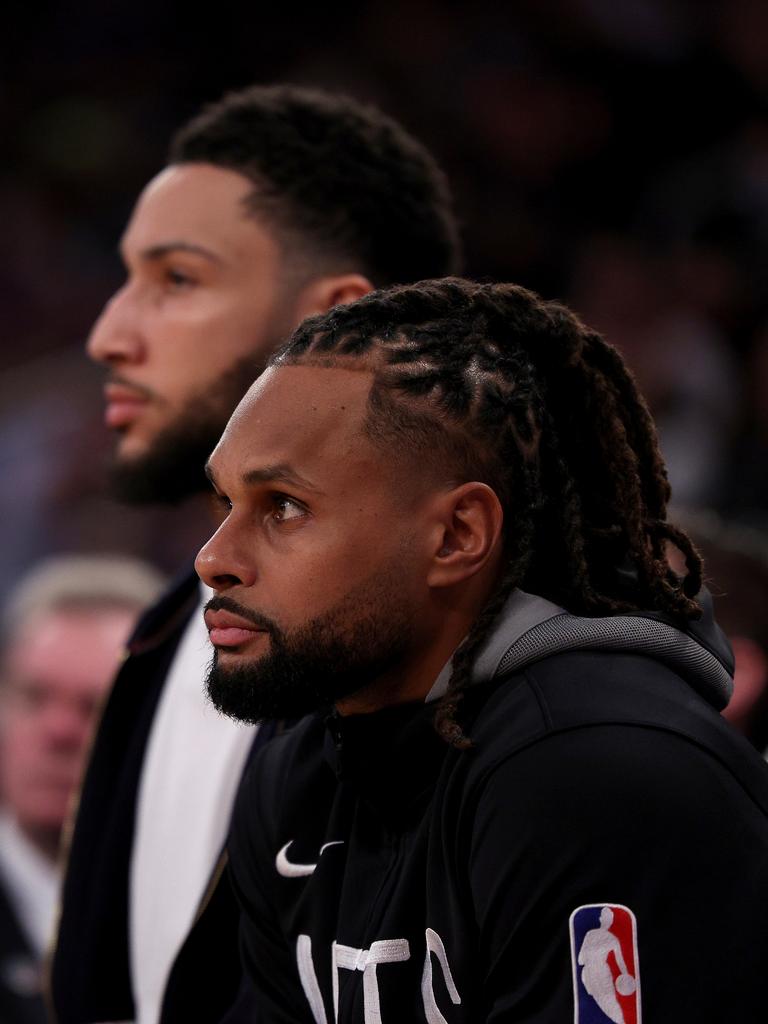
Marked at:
<point>55,671</point>
<point>205,300</point>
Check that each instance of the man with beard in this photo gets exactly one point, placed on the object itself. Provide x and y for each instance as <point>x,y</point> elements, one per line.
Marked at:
<point>512,796</point>
<point>277,203</point>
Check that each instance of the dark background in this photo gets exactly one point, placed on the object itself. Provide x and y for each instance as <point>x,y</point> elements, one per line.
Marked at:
<point>609,153</point>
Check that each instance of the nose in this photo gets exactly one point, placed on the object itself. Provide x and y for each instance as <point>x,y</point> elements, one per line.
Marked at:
<point>65,725</point>
<point>116,336</point>
<point>226,560</point>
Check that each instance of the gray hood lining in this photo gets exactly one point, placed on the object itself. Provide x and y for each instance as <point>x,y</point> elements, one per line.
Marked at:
<point>531,628</point>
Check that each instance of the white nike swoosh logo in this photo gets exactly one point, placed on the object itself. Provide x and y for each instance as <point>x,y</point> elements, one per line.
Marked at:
<point>288,869</point>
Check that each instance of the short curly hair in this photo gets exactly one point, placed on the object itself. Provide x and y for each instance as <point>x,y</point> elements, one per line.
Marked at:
<point>333,178</point>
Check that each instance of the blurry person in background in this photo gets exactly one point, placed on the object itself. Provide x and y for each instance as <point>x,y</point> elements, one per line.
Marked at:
<point>277,203</point>
<point>64,627</point>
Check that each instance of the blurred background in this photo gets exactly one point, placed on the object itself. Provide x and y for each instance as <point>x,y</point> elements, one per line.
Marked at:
<point>609,153</point>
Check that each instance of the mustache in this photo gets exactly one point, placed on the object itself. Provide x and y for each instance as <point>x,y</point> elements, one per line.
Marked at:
<point>220,603</point>
<point>142,390</point>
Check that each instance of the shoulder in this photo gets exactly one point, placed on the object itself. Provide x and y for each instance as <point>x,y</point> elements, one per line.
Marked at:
<point>587,726</point>
<point>585,688</point>
<point>626,815</point>
<point>604,778</point>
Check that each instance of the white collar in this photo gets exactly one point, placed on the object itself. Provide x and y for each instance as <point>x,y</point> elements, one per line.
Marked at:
<point>32,882</point>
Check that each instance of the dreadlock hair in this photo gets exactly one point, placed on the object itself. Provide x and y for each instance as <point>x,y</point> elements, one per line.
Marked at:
<point>336,180</point>
<point>500,386</point>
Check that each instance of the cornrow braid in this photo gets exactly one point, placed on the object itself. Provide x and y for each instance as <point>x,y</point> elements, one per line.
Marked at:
<point>515,391</point>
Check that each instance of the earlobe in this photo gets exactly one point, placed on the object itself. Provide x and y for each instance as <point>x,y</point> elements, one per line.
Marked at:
<point>467,535</point>
<point>323,293</point>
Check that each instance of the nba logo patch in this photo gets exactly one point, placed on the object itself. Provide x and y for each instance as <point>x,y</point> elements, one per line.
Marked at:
<point>606,979</point>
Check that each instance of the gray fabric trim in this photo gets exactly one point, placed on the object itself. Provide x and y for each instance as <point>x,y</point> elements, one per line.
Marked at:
<point>440,685</point>
<point>565,632</point>
<point>530,628</point>
<point>521,613</point>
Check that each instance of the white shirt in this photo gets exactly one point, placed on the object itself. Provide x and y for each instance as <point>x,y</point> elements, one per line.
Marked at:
<point>193,763</point>
<point>32,883</point>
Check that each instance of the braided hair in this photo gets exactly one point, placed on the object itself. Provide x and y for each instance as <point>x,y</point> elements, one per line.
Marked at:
<point>506,388</point>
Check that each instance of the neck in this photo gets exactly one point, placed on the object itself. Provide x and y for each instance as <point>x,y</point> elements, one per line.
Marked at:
<point>414,676</point>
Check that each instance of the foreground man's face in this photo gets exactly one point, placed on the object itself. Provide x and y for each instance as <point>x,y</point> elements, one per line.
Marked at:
<point>319,554</point>
<point>311,507</point>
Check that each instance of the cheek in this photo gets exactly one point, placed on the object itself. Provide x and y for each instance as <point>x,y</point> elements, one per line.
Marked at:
<point>326,576</point>
<point>214,323</point>
<point>20,737</point>
<point>19,751</point>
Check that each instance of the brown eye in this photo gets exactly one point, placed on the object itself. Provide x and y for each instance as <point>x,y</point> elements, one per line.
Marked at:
<point>178,279</point>
<point>223,502</point>
<point>285,509</point>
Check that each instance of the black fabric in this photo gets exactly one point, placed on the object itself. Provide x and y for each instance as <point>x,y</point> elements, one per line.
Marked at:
<point>595,778</point>
<point>21,998</point>
<point>207,981</point>
<point>90,973</point>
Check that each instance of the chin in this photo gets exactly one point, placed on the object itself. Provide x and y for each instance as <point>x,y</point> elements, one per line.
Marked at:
<point>130,448</point>
<point>48,817</point>
<point>256,690</point>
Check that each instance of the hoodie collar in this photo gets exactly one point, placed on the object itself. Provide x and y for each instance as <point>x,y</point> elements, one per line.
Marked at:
<point>530,628</point>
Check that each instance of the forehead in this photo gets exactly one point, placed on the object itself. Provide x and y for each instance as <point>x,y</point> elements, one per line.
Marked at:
<point>195,203</point>
<point>309,417</point>
<point>69,649</point>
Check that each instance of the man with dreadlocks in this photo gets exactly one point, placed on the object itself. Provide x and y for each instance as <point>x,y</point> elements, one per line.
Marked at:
<point>512,797</point>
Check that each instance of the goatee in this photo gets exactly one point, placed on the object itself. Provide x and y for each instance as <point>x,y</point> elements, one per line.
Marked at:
<point>328,658</point>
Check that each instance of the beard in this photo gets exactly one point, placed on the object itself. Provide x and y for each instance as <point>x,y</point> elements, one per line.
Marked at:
<point>172,469</point>
<point>368,633</point>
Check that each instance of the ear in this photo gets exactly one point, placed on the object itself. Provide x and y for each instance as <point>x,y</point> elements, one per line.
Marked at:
<point>467,534</point>
<point>322,293</point>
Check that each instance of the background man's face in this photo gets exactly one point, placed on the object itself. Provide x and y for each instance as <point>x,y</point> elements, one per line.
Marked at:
<point>317,563</point>
<point>202,307</point>
<point>54,675</point>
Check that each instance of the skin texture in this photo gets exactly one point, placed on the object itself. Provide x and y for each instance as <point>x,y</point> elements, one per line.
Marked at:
<point>54,675</point>
<point>316,514</point>
<point>208,289</point>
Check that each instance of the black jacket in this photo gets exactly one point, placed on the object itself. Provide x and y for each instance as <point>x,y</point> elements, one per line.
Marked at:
<point>90,976</point>
<point>384,873</point>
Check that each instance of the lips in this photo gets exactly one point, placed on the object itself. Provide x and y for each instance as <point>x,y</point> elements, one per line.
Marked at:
<point>228,630</point>
<point>123,405</point>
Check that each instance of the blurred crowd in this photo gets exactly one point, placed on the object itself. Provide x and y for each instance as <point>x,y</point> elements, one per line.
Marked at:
<point>612,155</point>
<point>63,629</point>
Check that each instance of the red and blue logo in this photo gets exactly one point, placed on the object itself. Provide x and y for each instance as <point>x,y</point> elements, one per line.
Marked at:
<point>606,978</point>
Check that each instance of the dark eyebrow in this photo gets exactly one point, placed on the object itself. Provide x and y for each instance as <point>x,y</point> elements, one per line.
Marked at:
<point>280,473</point>
<point>157,252</point>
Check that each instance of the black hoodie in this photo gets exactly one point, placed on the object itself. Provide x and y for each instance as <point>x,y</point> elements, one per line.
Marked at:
<point>600,854</point>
